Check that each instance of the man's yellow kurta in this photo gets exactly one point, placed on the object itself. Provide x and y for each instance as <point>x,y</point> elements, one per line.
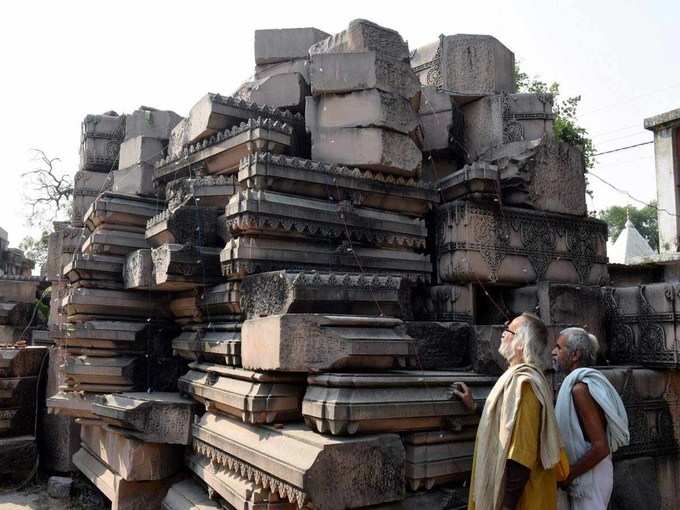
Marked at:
<point>540,492</point>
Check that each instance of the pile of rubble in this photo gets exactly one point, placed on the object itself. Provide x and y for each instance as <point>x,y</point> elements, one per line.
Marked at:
<point>325,253</point>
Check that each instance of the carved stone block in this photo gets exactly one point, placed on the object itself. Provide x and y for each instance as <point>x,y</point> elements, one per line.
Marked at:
<point>150,122</point>
<point>140,149</point>
<point>437,457</point>
<point>130,458</point>
<point>221,301</point>
<point>221,153</point>
<point>399,401</point>
<point>18,456</point>
<point>284,90</point>
<point>101,375</point>
<point>219,343</point>
<point>188,495</point>
<point>481,242</point>
<point>113,243</point>
<point>21,362</point>
<point>495,120</point>
<point>248,255</point>
<point>451,303</point>
<point>214,113</point>
<point>124,495</point>
<point>641,324</point>
<point>150,417</point>
<point>369,148</point>
<point>209,191</point>
<point>279,215</point>
<point>543,174</point>
<point>478,180</point>
<point>138,271</point>
<point>75,404</point>
<point>85,270</point>
<point>309,343</point>
<point>186,224</point>
<point>280,45</point>
<point>303,466</point>
<point>339,73</point>
<point>179,267</point>
<point>136,179</point>
<point>100,140</point>
<point>86,186</point>
<point>442,123</point>
<point>253,397</point>
<point>101,336</point>
<point>365,108</point>
<point>441,345</point>
<point>283,292</point>
<point>18,405</point>
<point>81,304</point>
<point>121,212</point>
<point>363,35</point>
<point>310,178</point>
<point>465,65</point>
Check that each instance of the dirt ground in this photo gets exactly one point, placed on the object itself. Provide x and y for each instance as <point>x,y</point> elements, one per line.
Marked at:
<point>34,497</point>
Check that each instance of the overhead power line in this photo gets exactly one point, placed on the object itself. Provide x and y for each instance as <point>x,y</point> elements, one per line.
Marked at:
<point>623,148</point>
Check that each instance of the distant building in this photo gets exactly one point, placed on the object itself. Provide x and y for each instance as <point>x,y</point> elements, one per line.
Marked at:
<point>629,245</point>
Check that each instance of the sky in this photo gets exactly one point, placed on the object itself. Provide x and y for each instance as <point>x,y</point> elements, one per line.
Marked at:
<point>62,60</point>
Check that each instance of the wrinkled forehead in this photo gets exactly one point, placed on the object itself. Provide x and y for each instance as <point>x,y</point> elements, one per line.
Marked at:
<point>517,321</point>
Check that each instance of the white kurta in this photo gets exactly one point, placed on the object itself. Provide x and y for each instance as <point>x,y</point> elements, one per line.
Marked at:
<point>599,494</point>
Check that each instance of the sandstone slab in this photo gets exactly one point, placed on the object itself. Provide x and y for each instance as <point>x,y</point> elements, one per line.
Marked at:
<point>478,180</point>
<point>100,140</point>
<point>207,191</point>
<point>121,212</point>
<point>218,343</point>
<point>21,362</point>
<point>150,122</point>
<point>280,45</point>
<point>187,224</point>
<point>188,495</point>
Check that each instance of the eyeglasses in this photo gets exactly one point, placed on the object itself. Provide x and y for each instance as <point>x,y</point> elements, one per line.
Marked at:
<point>507,329</point>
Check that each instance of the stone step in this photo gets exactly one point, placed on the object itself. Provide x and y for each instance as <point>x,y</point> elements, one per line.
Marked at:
<point>253,397</point>
<point>408,401</point>
<point>114,211</point>
<point>311,342</point>
<point>155,417</point>
<point>305,467</point>
<point>97,374</point>
<point>304,177</point>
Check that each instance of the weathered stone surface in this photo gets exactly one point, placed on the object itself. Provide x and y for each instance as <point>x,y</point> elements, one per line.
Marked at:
<point>15,314</point>
<point>102,375</point>
<point>220,343</point>
<point>237,491</point>
<point>478,242</point>
<point>114,243</point>
<point>214,113</point>
<point>543,174</point>
<point>285,90</point>
<point>485,356</point>
<point>97,271</point>
<point>635,485</point>
<point>136,179</point>
<point>59,487</point>
<point>59,438</point>
<point>277,215</point>
<point>253,397</point>
<point>124,495</point>
<point>467,66</point>
<point>100,140</point>
<point>365,108</point>
<point>18,456</point>
<point>187,224</point>
<point>450,303</point>
<point>281,292</point>
<point>188,495</point>
<point>181,267</point>
<point>138,271</point>
<point>86,186</point>
<point>21,362</point>
<point>437,457</point>
<point>117,336</point>
<point>436,499</point>
<point>442,123</point>
<point>478,180</point>
<point>493,121</point>
<point>62,244</point>
<point>641,324</point>
<point>150,122</point>
<point>132,459</point>
<point>408,400</point>
<point>364,35</point>
<point>339,73</point>
<point>370,148</point>
<point>150,417</point>
<point>121,212</point>
<point>310,342</point>
<point>221,301</point>
<point>18,405</point>
<point>310,178</point>
<point>280,45</point>
<point>72,404</point>
<point>81,303</point>
<point>441,345</point>
<point>41,338</point>
<point>221,153</point>
<point>248,255</point>
<point>329,473</point>
<point>209,191</point>
<point>140,149</point>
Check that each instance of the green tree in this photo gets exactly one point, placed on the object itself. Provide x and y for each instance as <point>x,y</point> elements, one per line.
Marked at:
<point>35,248</point>
<point>565,126</point>
<point>644,219</point>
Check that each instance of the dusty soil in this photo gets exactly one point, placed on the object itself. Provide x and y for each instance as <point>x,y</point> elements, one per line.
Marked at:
<point>84,496</point>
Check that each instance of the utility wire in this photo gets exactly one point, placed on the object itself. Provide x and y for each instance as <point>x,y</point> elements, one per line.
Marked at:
<point>623,148</point>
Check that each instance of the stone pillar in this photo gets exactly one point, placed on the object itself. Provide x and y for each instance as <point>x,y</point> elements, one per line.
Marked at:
<point>667,160</point>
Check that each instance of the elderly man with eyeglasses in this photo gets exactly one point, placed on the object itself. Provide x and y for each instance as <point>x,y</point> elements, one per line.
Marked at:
<point>518,458</point>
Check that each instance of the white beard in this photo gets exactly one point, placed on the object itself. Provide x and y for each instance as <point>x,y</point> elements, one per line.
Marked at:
<point>507,351</point>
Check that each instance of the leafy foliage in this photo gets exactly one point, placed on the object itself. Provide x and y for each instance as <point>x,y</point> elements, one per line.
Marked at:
<point>36,248</point>
<point>644,219</point>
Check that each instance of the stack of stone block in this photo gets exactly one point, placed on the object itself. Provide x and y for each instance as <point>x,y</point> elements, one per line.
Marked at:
<point>20,377</point>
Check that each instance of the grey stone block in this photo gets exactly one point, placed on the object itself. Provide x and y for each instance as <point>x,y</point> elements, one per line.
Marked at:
<point>186,224</point>
<point>278,91</point>
<point>209,191</point>
<point>441,345</point>
<point>59,487</point>
<point>339,73</point>
<point>100,140</point>
<point>279,45</point>
<point>297,65</point>
<point>218,343</point>
<point>466,65</point>
<point>140,149</point>
<point>189,495</point>
<point>149,122</point>
<point>442,123</point>
<point>21,362</point>
<point>134,180</point>
<point>371,148</point>
<point>367,108</point>
<point>478,180</point>
<point>635,485</point>
<point>364,35</point>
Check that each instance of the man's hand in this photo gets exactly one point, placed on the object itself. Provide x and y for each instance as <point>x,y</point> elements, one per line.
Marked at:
<point>462,391</point>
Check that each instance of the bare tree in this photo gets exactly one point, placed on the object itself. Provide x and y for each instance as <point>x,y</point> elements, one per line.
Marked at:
<point>51,190</point>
